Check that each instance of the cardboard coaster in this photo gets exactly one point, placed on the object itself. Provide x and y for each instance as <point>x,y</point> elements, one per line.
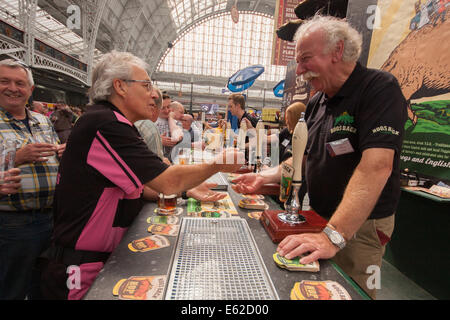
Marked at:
<point>319,290</point>
<point>253,196</point>
<point>255,215</point>
<point>253,204</point>
<point>164,229</point>
<point>210,214</point>
<point>294,264</point>
<point>163,220</point>
<point>148,243</point>
<point>140,288</point>
<point>176,212</point>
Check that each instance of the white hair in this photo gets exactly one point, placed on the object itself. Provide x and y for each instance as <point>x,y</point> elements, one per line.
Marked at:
<point>334,30</point>
<point>175,105</point>
<point>11,63</point>
<point>112,65</point>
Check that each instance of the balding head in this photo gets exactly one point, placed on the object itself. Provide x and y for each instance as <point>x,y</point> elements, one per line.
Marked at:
<point>178,109</point>
<point>186,120</point>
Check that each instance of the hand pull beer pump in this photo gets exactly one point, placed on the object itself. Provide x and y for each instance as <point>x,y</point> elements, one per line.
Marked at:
<point>293,205</point>
<point>281,223</point>
<point>259,145</point>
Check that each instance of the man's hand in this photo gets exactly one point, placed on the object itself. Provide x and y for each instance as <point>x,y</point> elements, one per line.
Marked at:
<point>203,192</point>
<point>317,244</point>
<point>221,123</point>
<point>247,123</point>
<point>229,160</point>
<point>60,149</point>
<point>167,141</point>
<point>247,183</point>
<point>35,152</point>
<point>11,182</point>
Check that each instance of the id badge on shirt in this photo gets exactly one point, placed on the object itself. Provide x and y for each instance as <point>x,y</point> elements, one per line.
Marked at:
<point>339,147</point>
<point>285,142</point>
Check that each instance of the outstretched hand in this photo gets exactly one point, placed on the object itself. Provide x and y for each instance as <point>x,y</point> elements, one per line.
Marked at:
<point>247,183</point>
<point>203,192</point>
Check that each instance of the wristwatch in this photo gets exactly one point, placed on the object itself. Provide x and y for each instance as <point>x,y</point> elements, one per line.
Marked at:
<point>335,237</point>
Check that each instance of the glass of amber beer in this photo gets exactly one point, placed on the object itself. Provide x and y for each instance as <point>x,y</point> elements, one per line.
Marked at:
<point>167,204</point>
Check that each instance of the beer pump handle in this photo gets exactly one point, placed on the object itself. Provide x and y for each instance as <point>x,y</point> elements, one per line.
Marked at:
<point>299,139</point>
<point>259,138</point>
<point>241,136</point>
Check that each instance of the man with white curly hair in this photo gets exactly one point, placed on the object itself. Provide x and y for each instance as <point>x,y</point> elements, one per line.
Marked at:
<point>103,173</point>
<point>355,133</point>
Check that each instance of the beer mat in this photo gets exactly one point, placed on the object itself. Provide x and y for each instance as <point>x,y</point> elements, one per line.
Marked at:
<point>224,205</point>
<point>176,212</point>
<point>294,264</point>
<point>319,290</point>
<point>209,214</point>
<point>255,214</point>
<point>148,243</point>
<point>163,220</point>
<point>140,288</point>
<point>253,196</point>
<point>253,204</point>
<point>164,229</point>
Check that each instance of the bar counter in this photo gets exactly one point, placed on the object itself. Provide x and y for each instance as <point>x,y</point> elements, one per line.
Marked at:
<point>123,263</point>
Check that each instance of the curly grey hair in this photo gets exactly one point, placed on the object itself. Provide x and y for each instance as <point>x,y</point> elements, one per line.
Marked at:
<point>335,30</point>
<point>112,65</point>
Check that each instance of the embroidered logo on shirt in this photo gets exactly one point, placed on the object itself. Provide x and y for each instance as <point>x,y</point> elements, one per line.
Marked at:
<point>344,119</point>
<point>343,123</point>
<point>385,130</point>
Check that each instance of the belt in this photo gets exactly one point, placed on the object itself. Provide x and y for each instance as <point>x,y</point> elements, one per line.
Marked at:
<point>31,211</point>
<point>70,256</point>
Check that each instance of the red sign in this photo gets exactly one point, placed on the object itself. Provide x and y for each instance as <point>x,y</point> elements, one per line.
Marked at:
<point>283,51</point>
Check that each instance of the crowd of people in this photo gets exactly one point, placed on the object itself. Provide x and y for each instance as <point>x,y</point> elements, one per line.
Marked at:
<point>71,202</point>
<point>62,116</point>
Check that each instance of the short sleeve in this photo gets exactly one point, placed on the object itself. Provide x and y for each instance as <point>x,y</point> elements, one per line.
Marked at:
<point>382,116</point>
<point>120,155</point>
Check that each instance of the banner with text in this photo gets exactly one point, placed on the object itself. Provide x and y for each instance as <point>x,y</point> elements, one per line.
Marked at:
<point>283,51</point>
<point>410,40</point>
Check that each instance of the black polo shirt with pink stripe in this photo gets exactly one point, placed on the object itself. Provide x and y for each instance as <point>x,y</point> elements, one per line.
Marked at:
<point>100,180</point>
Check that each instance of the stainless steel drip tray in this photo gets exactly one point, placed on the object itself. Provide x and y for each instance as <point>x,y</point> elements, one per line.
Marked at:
<point>218,259</point>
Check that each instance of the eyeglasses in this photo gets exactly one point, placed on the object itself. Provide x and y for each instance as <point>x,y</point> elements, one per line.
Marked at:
<point>147,83</point>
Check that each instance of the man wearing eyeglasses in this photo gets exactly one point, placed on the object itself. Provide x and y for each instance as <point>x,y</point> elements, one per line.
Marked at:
<point>26,213</point>
<point>103,173</point>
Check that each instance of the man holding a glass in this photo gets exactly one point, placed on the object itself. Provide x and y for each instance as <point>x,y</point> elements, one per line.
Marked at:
<point>29,144</point>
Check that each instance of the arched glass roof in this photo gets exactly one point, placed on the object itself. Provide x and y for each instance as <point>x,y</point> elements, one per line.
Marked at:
<point>218,47</point>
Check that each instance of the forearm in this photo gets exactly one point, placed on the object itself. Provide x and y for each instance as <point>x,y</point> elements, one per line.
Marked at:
<point>179,178</point>
<point>272,175</point>
<point>360,197</point>
<point>175,131</point>
<point>149,194</point>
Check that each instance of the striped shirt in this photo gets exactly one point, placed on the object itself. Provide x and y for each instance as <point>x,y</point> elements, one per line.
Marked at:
<point>38,179</point>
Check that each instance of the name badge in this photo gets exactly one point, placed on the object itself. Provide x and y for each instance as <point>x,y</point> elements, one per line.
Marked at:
<point>339,147</point>
<point>285,142</point>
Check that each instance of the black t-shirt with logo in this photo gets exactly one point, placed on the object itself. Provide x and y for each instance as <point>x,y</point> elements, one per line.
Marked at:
<point>370,111</point>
